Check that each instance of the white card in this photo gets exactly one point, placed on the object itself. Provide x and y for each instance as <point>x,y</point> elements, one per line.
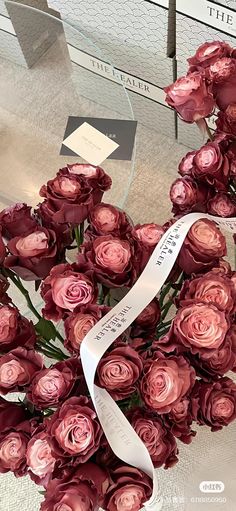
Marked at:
<point>90,144</point>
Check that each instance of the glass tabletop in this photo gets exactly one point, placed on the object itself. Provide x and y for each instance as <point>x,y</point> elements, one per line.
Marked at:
<point>56,80</point>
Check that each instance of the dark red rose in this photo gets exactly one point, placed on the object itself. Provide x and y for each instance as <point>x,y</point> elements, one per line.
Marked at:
<point>78,324</point>
<point>216,363</point>
<point>199,327</point>
<point>186,165</point>
<point>2,249</point>
<point>191,97</point>
<point>111,260</point>
<point>211,165</point>
<point>44,213</point>
<point>107,219</point>
<point>129,490</point>
<point>208,53</point>
<point>66,288</point>
<point>53,385</point>
<point>214,403</point>
<point>222,205</point>
<point>156,437</point>
<point>74,430</point>
<point>211,288</point>
<point>94,176</point>
<point>4,285</point>
<point>15,330</point>
<point>203,246</point>
<point>166,381</point>
<point>118,372</point>
<point>70,196</point>
<point>16,220</point>
<point>18,368</point>
<point>13,445</point>
<point>146,323</point>
<point>223,74</point>
<point>82,489</point>
<point>179,420</point>
<point>39,457</point>
<point>187,195</point>
<point>33,255</point>
<point>226,121</point>
<point>11,414</point>
<point>105,456</point>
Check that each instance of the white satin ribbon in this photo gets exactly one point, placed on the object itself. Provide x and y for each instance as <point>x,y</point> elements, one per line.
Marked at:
<point>122,438</point>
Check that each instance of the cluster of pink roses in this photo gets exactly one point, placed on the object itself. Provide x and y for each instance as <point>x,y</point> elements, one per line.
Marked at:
<point>165,374</point>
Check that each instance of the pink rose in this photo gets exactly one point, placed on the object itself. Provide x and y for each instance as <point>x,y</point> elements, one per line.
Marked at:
<point>166,381</point>
<point>18,368</point>
<point>223,74</point>
<point>208,53</point>
<point>53,385</point>
<point>16,220</point>
<point>211,165</point>
<point>186,165</point>
<point>156,437</point>
<point>129,490</point>
<point>226,121</point>
<point>111,260</point>
<point>187,195</point>
<point>33,255</point>
<point>82,489</point>
<point>200,327</point>
<point>118,372</point>
<point>74,430</point>
<point>222,205</point>
<point>211,288</point>
<point>191,97</point>
<point>39,458</point>
<point>13,445</point>
<point>65,289</point>
<point>203,246</point>
<point>179,420</point>
<point>107,219</point>
<point>149,234</point>
<point>94,177</point>
<point>146,322</point>
<point>15,330</point>
<point>214,403</point>
<point>78,324</point>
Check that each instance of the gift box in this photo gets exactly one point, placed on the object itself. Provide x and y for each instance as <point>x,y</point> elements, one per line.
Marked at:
<point>26,34</point>
<point>201,21</point>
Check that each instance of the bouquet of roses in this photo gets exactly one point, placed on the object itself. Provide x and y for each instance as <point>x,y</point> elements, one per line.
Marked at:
<point>167,371</point>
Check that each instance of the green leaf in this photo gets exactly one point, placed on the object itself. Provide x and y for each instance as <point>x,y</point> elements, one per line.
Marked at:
<point>46,329</point>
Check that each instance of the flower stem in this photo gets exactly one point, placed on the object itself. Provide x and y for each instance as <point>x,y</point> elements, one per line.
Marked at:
<point>77,236</point>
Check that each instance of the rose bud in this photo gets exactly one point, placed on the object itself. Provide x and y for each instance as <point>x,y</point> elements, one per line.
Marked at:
<point>65,289</point>
<point>211,288</point>
<point>221,205</point>
<point>166,381</point>
<point>226,121</point>
<point>214,403</point>
<point>107,219</point>
<point>44,213</point>
<point>118,372</point>
<point>70,196</point>
<point>13,445</point>
<point>203,246</point>
<point>2,249</point>
<point>191,97</point>
<point>78,324</point>
<point>11,414</point>
<point>16,220</point>
<point>33,256</point>
<point>186,165</point>
<point>39,458</point>
<point>146,322</point>
<point>179,420</point>
<point>200,327</point>
<point>129,490</point>
<point>53,385</point>
<point>94,176</point>
<point>74,430</point>
<point>208,53</point>
<point>15,330</point>
<point>156,437</point>
<point>82,490</point>
<point>211,166</point>
<point>187,195</point>
<point>111,260</point>
<point>17,369</point>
